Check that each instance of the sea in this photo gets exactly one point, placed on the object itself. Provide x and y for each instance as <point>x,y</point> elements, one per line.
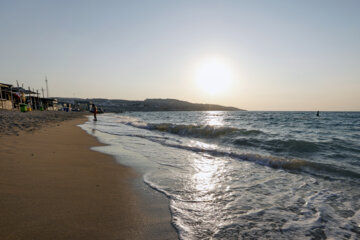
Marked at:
<point>245,174</point>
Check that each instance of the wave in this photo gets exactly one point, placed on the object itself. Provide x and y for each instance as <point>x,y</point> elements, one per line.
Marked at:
<point>256,139</point>
<point>241,137</point>
<point>319,169</point>
<point>300,147</point>
<point>191,130</point>
<point>291,164</point>
<point>277,145</point>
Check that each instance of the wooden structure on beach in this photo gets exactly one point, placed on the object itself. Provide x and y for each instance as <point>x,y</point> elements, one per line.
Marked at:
<point>26,96</point>
<point>50,104</point>
<point>12,97</point>
<point>6,96</point>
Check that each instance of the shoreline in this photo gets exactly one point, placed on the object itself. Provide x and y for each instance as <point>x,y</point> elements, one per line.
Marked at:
<point>53,186</point>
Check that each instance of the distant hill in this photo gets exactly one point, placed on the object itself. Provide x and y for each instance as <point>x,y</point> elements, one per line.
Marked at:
<point>114,105</point>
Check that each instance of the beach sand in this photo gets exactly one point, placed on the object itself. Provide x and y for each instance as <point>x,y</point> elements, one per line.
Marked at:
<point>14,122</point>
<point>52,186</point>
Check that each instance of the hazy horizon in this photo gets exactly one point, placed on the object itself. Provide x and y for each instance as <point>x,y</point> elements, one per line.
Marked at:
<point>253,55</point>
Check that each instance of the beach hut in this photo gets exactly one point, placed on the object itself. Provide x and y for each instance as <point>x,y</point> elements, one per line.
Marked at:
<point>6,96</point>
<point>50,104</point>
<point>24,96</point>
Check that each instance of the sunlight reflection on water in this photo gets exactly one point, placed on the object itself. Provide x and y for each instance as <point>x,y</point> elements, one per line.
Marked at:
<point>208,176</point>
<point>204,178</point>
<point>214,118</point>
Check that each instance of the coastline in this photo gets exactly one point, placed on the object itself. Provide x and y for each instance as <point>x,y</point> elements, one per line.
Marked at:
<point>54,187</point>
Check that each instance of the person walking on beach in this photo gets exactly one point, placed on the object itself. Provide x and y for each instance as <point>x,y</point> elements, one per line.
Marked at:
<point>95,110</point>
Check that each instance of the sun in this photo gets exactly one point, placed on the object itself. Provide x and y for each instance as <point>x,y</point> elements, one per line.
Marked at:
<point>213,76</point>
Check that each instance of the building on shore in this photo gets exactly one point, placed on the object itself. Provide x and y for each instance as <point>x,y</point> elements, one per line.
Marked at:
<point>50,104</point>
<point>15,97</point>
<point>6,96</point>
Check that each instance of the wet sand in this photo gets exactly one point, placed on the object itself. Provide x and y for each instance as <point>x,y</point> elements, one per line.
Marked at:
<point>53,187</point>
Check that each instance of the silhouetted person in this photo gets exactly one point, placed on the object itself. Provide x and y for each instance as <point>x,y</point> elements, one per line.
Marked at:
<point>95,111</point>
<point>318,114</point>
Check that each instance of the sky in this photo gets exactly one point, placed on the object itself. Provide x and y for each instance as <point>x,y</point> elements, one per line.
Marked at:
<point>270,55</point>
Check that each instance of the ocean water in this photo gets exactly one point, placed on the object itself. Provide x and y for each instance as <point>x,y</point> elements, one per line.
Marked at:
<point>245,175</point>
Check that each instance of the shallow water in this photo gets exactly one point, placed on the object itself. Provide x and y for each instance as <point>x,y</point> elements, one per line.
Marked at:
<point>246,175</point>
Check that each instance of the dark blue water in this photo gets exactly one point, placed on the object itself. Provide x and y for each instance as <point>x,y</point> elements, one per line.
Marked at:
<point>243,175</point>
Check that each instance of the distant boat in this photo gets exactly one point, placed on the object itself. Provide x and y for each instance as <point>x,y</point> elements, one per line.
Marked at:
<point>318,114</point>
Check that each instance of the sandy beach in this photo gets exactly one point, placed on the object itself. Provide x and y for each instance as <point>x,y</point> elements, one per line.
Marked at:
<point>14,122</point>
<point>52,186</point>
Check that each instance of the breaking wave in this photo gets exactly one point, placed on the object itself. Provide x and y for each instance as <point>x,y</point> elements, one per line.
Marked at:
<point>293,164</point>
<point>320,169</point>
<point>200,131</point>
<point>278,145</point>
<point>189,130</point>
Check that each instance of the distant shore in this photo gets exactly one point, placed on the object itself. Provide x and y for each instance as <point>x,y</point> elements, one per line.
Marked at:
<point>148,105</point>
<point>53,186</point>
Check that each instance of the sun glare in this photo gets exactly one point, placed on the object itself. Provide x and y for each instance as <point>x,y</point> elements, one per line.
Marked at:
<point>213,76</point>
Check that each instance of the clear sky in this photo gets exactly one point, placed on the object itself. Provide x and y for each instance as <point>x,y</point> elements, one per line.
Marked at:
<point>270,55</point>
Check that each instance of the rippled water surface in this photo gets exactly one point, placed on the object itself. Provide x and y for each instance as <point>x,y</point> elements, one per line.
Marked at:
<point>246,175</point>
